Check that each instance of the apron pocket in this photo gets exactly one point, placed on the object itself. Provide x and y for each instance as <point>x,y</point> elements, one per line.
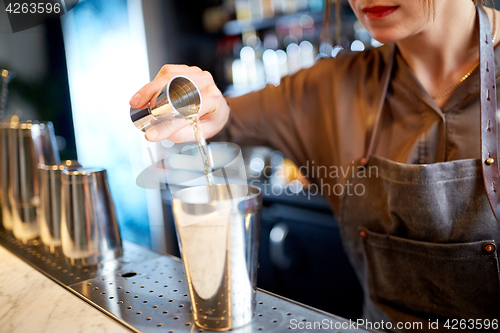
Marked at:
<point>456,280</point>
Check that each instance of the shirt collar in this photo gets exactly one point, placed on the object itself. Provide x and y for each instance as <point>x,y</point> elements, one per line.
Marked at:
<point>468,87</point>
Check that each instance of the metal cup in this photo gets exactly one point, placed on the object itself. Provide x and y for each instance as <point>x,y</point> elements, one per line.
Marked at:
<point>44,141</point>
<point>219,245</point>
<point>49,212</point>
<point>89,228</point>
<point>6,212</point>
<point>29,144</point>
<point>180,98</point>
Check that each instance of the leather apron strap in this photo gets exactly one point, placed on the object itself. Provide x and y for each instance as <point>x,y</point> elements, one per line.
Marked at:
<point>373,123</point>
<point>489,138</point>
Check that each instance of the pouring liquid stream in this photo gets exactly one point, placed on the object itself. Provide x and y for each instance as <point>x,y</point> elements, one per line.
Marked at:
<point>191,115</point>
<point>206,156</point>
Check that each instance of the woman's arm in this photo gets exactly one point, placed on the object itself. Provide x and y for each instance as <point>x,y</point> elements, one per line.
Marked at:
<point>285,117</point>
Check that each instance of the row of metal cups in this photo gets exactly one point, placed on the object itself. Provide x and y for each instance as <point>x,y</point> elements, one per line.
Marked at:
<point>67,207</point>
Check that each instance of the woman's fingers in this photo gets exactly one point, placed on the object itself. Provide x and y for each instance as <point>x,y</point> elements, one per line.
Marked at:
<point>177,69</point>
<point>165,129</point>
<point>213,114</point>
<point>153,88</point>
<point>180,130</point>
<point>184,134</point>
<point>146,93</point>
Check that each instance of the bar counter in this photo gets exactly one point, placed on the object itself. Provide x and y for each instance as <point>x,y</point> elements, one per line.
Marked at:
<point>144,292</point>
<point>30,302</point>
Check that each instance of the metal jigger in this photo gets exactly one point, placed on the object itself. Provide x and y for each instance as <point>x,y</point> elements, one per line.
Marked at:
<point>179,99</point>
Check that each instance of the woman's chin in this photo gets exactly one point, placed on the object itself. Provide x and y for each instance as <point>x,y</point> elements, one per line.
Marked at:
<point>386,38</point>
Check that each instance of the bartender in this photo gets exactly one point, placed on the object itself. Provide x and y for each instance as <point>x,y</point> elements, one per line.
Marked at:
<point>411,117</point>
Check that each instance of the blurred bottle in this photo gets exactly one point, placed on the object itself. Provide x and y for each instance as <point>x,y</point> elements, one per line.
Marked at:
<point>325,50</point>
<point>230,8</point>
<point>256,10</point>
<point>271,67</point>
<point>242,10</point>
<point>295,29</point>
<point>267,8</point>
<point>270,59</point>
<point>271,41</point>
<point>223,74</point>
<point>288,6</point>
<point>248,72</point>
<point>293,56</point>
<point>307,54</point>
<point>282,62</point>
<point>301,5</point>
<point>308,26</point>
<point>315,5</point>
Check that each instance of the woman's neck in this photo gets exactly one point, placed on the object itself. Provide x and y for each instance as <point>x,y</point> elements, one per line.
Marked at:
<point>445,50</point>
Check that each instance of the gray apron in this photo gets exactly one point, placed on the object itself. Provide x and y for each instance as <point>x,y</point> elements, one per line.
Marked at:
<point>423,238</point>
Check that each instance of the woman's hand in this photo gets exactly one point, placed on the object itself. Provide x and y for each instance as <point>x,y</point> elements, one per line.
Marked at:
<point>214,112</point>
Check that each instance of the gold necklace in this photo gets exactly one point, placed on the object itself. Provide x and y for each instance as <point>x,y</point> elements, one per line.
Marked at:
<point>450,90</point>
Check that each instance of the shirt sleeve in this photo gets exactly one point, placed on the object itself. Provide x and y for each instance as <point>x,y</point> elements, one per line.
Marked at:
<point>316,117</point>
<point>284,117</point>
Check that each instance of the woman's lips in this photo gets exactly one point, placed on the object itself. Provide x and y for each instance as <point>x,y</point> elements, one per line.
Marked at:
<point>377,12</point>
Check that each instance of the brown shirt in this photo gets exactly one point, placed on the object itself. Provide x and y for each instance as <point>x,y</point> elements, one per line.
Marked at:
<point>318,117</point>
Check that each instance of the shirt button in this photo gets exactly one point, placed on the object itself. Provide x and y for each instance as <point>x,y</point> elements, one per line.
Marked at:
<point>363,234</point>
<point>489,247</point>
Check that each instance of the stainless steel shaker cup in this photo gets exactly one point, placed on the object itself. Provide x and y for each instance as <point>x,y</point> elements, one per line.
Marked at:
<point>89,227</point>
<point>44,141</point>
<point>5,213</point>
<point>29,144</point>
<point>4,176</point>
<point>219,246</point>
<point>49,211</point>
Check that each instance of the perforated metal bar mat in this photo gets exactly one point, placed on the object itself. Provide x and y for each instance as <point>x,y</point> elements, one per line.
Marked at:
<point>148,292</point>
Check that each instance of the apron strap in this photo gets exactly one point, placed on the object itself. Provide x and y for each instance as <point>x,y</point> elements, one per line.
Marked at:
<point>488,103</point>
<point>373,123</point>
<point>489,138</point>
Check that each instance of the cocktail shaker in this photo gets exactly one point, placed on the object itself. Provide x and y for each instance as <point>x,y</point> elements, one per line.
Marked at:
<point>89,227</point>
<point>49,211</point>
<point>29,144</point>
<point>219,240</point>
<point>6,212</point>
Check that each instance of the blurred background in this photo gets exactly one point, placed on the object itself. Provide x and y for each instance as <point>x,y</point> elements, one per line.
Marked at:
<point>80,71</point>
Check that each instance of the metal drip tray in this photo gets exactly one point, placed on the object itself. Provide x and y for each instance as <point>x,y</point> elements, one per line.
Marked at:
<point>55,266</point>
<point>148,292</point>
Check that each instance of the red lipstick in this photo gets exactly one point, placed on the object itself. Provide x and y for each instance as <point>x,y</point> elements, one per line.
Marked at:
<point>377,12</point>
